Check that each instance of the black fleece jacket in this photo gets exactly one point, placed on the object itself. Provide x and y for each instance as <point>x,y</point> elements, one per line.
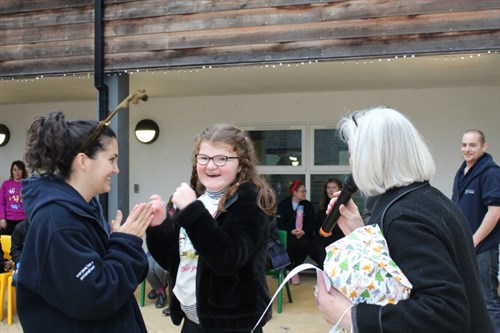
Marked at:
<point>231,287</point>
<point>286,216</point>
<point>430,240</point>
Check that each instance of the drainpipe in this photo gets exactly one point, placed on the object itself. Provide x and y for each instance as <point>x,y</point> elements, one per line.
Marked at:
<point>99,59</point>
<point>99,83</point>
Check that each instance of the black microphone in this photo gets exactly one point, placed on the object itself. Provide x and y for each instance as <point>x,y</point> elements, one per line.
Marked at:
<point>348,189</point>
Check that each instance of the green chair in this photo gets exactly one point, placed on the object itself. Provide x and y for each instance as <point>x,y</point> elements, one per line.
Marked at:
<point>143,293</point>
<point>280,275</point>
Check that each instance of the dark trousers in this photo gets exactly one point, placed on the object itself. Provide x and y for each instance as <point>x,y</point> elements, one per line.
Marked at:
<point>488,271</point>
<point>189,327</point>
<point>297,249</point>
<point>11,224</point>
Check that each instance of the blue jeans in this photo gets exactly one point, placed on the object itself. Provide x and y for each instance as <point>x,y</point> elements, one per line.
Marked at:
<point>488,271</point>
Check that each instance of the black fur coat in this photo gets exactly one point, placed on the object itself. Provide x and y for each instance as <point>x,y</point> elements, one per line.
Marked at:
<point>231,287</point>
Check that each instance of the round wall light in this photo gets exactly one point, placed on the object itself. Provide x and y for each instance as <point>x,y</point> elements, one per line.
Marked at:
<point>4,135</point>
<point>147,131</point>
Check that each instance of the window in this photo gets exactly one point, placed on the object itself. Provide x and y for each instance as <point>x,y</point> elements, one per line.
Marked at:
<point>278,147</point>
<point>281,183</point>
<point>328,148</point>
<point>310,153</point>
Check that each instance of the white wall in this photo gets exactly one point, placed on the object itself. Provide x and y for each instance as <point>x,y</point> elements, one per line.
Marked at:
<point>441,115</point>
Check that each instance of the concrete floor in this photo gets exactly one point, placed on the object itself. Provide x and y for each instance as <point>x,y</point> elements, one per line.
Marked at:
<point>297,317</point>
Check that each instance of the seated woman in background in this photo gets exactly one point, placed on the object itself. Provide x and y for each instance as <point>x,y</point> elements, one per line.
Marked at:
<point>17,244</point>
<point>2,260</point>
<point>299,226</point>
<point>317,251</point>
<point>157,275</point>
<point>157,278</point>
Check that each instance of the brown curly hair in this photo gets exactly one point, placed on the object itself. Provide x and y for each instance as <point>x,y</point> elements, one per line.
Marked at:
<point>244,149</point>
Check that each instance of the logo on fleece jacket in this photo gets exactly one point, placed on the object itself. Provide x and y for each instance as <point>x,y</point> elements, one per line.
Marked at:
<point>86,271</point>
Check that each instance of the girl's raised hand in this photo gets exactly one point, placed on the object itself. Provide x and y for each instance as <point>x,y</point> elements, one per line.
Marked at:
<point>183,196</point>
<point>159,209</point>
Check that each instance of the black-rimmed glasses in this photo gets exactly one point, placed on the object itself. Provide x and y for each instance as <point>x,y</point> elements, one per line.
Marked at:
<point>219,160</point>
<point>132,98</point>
<point>354,120</point>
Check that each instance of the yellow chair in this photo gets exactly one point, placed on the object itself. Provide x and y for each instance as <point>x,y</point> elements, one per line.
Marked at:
<point>4,277</point>
<point>280,275</point>
<point>11,300</point>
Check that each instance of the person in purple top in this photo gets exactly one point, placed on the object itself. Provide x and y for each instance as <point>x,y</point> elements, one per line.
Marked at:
<point>11,202</point>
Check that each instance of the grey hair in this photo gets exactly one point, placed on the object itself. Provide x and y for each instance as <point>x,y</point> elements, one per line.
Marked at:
<point>386,149</point>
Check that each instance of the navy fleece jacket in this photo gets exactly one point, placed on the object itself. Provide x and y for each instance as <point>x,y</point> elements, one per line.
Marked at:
<point>75,277</point>
<point>474,192</point>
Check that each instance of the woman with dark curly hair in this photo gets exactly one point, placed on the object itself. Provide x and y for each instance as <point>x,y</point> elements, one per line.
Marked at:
<point>78,273</point>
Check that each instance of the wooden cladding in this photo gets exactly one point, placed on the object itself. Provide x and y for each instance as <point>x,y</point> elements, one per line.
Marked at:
<point>53,37</point>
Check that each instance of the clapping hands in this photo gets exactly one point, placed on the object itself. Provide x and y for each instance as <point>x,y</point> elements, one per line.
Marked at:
<point>141,217</point>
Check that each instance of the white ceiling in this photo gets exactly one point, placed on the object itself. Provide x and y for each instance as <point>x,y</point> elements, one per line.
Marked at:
<point>394,73</point>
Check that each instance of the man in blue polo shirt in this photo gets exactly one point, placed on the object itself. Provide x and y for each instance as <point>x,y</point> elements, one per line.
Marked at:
<point>476,190</point>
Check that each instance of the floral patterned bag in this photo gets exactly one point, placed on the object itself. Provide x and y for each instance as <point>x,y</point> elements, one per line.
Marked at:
<point>360,267</point>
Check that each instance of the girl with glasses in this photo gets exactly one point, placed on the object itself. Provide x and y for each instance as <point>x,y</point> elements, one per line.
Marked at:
<point>215,247</point>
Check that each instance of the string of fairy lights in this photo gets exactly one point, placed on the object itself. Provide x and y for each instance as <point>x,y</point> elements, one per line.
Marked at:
<point>159,71</point>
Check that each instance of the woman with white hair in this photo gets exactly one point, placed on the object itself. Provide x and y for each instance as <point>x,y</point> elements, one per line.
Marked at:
<point>428,237</point>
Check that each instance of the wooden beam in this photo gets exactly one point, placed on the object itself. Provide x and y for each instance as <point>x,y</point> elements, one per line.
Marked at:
<point>385,26</point>
<point>47,36</point>
<point>239,16</point>
<point>334,49</point>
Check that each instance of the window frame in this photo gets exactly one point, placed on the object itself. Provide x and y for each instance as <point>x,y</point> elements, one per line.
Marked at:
<point>277,169</point>
<point>322,169</point>
<point>307,168</point>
